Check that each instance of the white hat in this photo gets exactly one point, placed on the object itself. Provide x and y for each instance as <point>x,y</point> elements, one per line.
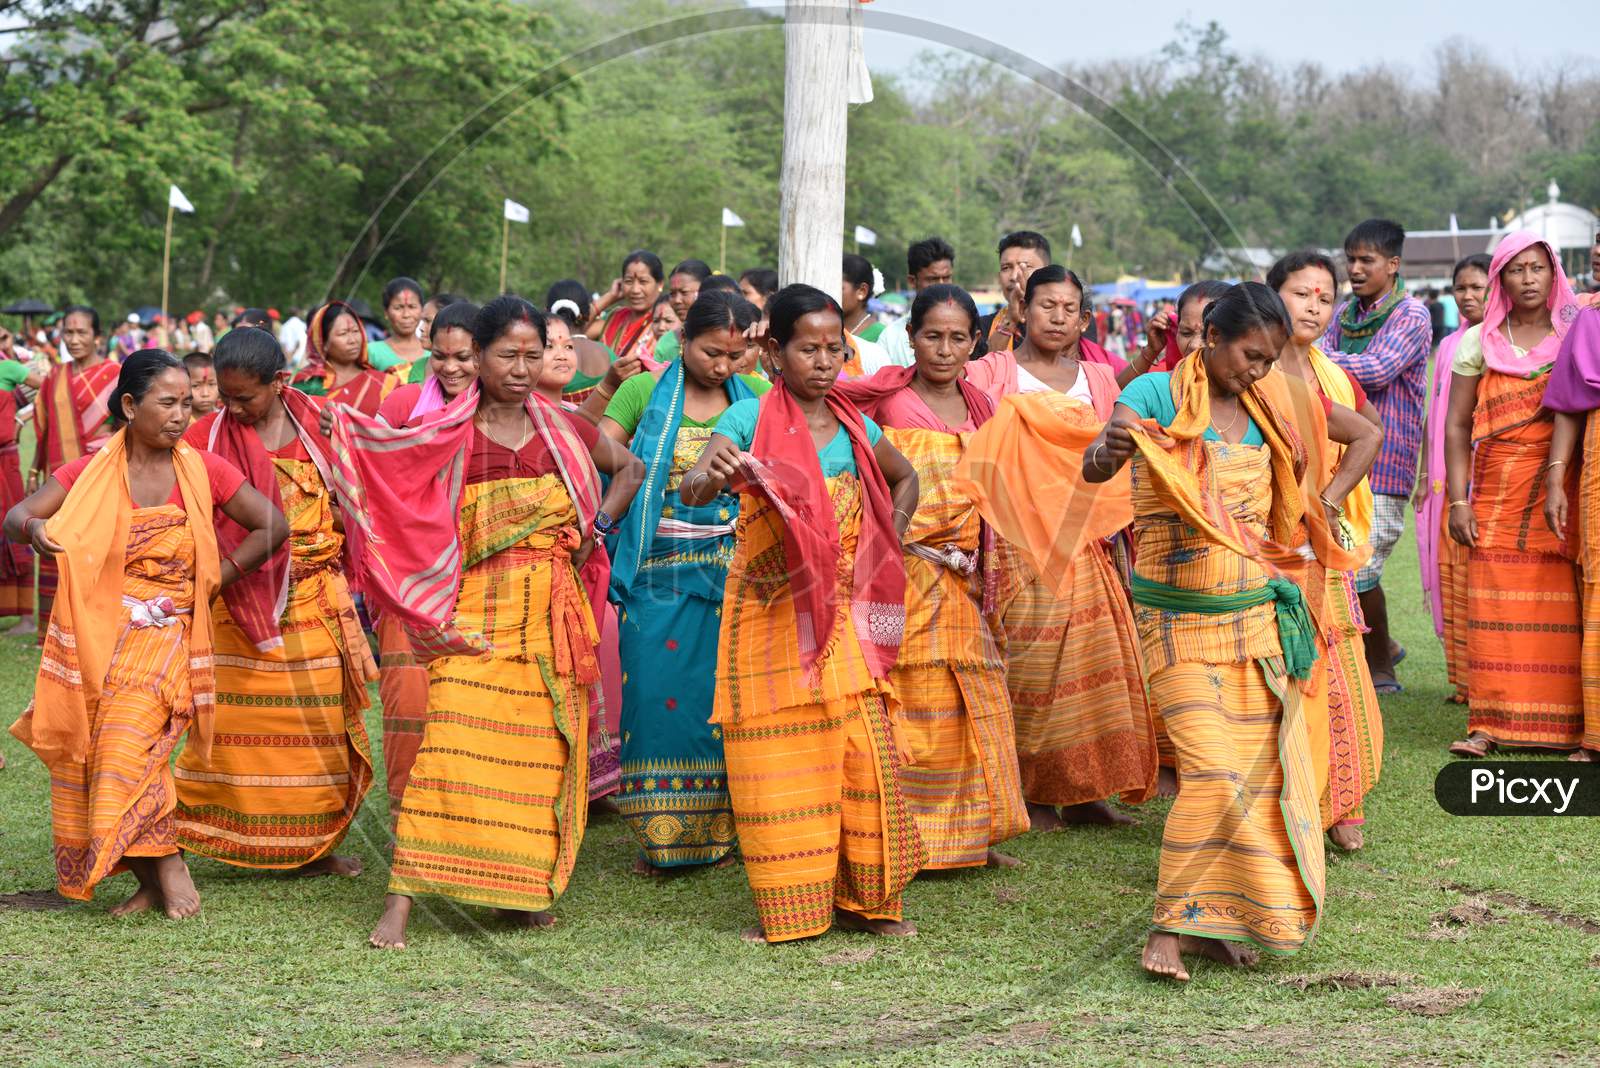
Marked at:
<point>133,317</point>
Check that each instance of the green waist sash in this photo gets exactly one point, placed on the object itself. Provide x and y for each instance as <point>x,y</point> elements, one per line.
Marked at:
<point>1295,631</point>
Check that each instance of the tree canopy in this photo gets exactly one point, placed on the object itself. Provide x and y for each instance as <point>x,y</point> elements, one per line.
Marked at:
<point>330,144</point>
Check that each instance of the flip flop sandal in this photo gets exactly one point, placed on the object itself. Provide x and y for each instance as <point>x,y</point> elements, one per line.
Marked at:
<point>1472,749</point>
<point>1399,657</point>
<point>1388,687</point>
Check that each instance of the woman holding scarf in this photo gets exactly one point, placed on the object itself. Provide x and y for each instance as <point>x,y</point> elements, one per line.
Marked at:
<point>452,366</point>
<point>668,572</point>
<point>1223,487</point>
<point>1524,619</point>
<point>127,668</point>
<point>961,781</point>
<point>1306,283</point>
<point>811,625</point>
<point>338,369</point>
<point>1083,724</point>
<point>292,762</point>
<point>471,527</point>
<point>1442,561</point>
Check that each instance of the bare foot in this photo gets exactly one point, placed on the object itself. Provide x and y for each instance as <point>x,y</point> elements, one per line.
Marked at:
<point>25,628</point>
<point>854,921</point>
<point>1043,818</point>
<point>1585,756</point>
<point>523,918</point>
<point>645,868</point>
<point>391,930</point>
<point>178,894</point>
<point>753,935</point>
<point>1347,836</point>
<point>996,859</point>
<point>1161,957</point>
<point>1474,747</point>
<point>1167,782</point>
<point>147,897</point>
<point>1232,954</point>
<point>1095,813</point>
<point>727,861</point>
<point>332,864</point>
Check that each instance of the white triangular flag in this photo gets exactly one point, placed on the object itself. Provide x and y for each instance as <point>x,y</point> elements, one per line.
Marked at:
<point>730,219</point>
<point>516,212</point>
<point>865,236</point>
<point>1077,236</point>
<point>1454,226</point>
<point>176,199</point>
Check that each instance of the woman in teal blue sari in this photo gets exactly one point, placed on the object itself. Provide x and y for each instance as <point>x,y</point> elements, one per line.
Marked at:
<point>669,566</point>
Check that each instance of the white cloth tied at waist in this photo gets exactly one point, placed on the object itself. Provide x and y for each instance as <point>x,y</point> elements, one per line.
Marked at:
<point>678,530</point>
<point>955,559</point>
<point>156,612</point>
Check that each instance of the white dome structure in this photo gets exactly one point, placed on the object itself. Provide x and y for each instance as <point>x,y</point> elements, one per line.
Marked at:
<point>1569,228</point>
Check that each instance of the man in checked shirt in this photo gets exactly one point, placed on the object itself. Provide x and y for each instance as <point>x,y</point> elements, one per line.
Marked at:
<point>1383,337</point>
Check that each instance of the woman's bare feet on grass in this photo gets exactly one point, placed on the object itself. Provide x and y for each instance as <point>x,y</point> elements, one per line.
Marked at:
<point>996,859</point>
<point>1585,756</point>
<point>178,894</point>
<point>1231,954</point>
<point>1161,957</point>
<point>854,921</point>
<point>391,930</point>
<point>1347,836</point>
<point>332,864</point>
<point>1095,814</point>
<point>25,628</point>
<point>524,918</point>
<point>147,896</point>
<point>1167,782</point>
<point>1043,818</point>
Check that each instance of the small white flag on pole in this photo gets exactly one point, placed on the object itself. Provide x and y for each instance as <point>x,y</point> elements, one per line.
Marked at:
<point>865,236</point>
<point>1454,226</point>
<point>730,219</point>
<point>1077,236</point>
<point>516,212</point>
<point>176,199</point>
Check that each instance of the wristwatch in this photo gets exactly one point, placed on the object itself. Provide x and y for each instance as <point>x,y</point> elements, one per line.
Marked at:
<point>603,524</point>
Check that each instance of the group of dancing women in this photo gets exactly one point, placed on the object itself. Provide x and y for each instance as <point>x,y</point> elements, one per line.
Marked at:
<point>846,627</point>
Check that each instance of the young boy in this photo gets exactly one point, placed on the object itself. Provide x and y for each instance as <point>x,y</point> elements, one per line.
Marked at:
<point>1383,337</point>
<point>202,383</point>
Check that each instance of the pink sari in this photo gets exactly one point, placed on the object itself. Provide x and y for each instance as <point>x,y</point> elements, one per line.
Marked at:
<point>1431,514</point>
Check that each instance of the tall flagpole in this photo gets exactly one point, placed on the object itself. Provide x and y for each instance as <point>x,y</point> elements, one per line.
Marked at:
<point>166,268</point>
<point>505,247</point>
<point>722,257</point>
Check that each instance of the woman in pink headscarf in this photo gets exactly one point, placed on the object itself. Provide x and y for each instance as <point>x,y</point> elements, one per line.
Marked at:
<point>1442,562</point>
<point>1524,639</point>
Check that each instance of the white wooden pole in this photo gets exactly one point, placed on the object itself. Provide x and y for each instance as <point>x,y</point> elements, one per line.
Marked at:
<point>166,272</point>
<point>816,87</point>
<point>505,247</point>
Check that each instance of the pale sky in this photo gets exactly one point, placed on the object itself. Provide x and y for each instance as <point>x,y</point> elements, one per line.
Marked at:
<point>1342,35</point>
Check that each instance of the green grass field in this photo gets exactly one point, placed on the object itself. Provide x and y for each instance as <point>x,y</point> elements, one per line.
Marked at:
<point>1037,965</point>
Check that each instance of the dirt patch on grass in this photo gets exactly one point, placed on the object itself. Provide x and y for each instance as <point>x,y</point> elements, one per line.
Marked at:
<point>1466,914</point>
<point>1434,1000</point>
<point>1008,895</point>
<point>33,900</point>
<point>857,955</point>
<point>1346,980</point>
<point>1528,907</point>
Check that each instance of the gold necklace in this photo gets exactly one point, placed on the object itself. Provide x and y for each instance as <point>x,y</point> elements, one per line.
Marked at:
<point>1223,434</point>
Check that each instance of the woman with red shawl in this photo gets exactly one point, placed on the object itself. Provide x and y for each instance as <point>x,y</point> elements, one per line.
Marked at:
<point>338,369</point>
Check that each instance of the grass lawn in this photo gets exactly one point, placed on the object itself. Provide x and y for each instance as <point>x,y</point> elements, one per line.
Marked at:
<point>1036,965</point>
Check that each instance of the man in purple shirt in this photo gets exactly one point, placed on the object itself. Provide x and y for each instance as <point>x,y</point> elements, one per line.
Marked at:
<point>1383,337</point>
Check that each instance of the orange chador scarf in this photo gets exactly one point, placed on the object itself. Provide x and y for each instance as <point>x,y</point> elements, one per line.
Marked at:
<point>1024,469</point>
<point>92,529</point>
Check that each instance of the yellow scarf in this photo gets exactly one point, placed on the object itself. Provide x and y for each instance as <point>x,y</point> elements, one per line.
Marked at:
<point>1298,466</point>
<point>1358,507</point>
<point>91,526</point>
